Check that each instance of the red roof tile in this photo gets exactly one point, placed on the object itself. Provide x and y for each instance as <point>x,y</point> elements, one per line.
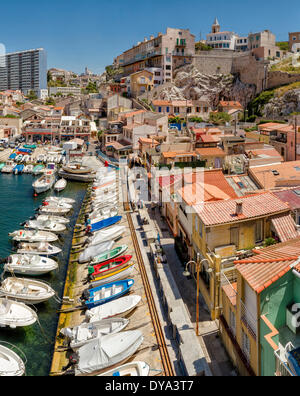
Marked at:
<point>255,206</point>
<point>285,227</point>
<point>260,274</point>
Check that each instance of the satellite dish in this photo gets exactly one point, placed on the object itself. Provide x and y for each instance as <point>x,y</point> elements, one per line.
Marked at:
<point>158,149</point>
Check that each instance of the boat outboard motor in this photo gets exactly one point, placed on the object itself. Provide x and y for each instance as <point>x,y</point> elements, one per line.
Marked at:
<point>85,295</point>
<point>6,260</point>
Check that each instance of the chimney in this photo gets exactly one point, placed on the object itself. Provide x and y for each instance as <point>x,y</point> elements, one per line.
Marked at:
<point>239,208</point>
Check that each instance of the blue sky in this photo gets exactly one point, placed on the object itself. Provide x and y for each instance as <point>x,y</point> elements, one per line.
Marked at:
<point>92,32</point>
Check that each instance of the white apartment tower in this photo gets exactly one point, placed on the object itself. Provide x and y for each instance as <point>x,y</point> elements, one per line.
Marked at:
<point>25,71</point>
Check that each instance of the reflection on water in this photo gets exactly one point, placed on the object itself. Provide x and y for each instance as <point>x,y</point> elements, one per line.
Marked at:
<point>16,206</point>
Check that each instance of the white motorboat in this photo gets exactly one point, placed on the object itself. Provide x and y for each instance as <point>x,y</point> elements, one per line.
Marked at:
<point>111,213</point>
<point>53,219</point>
<point>60,185</point>
<point>108,234</point>
<point>133,369</point>
<point>29,265</point>
<point>60,201</point>
<point>121,307</point>
<point>27,291</point>
<point>44,183</point>
<point>9,167</point>
<point>28,169</point>
<point>47,225</point>
<point>33,236</point>
<point>40,249</point>
<point>14,314</point>
<point>87,332</point>
<point>93,251</point>
<point>104,197</point>
<point>106,352</point>
<point>104,189</point>
<point>54,210</point>
<point>41,158</point>
<point>77,169</point>
<point>11,365</point>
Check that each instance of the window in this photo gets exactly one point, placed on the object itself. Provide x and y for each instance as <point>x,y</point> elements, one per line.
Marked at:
<point>168,67</point>
<point>258,231</point>
<point>246,345</point>
<point>232,323</point>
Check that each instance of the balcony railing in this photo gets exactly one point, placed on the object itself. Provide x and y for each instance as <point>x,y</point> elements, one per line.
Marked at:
<point>282,368</point>
<point>249,321</point>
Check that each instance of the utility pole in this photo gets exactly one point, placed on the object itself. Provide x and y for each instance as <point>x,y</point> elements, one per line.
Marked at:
<point>296,138</point>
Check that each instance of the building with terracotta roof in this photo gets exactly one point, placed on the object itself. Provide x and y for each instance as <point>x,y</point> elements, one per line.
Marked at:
<point>225,230</point>
<point>178,194</point>
<point>257,325</point>
<point>275,176</point>
<point>212,156</point>
<point>183,108</point>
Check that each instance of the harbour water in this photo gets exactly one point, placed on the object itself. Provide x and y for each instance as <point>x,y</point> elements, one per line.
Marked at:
<point>17,205</point>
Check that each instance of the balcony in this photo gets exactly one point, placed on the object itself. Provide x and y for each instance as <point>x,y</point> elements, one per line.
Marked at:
<point>248,320</point>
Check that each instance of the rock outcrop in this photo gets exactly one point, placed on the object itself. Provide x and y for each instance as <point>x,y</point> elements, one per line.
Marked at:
<point>189,83</point>
<point>281,106</point>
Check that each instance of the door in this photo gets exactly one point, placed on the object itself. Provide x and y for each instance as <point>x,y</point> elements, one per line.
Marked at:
<point>234,237</point>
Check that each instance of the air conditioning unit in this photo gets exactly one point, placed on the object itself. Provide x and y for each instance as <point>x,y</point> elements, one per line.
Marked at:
<point>292,315</point>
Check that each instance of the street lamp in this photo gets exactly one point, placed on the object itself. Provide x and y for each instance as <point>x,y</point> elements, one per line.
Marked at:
<point>187,274</point>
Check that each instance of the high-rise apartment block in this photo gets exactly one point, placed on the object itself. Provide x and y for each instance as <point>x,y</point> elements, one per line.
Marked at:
<point>165,52</point>
<point>25,71</point>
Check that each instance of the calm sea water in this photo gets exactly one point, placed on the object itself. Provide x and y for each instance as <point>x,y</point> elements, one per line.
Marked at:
<point>17,205</point>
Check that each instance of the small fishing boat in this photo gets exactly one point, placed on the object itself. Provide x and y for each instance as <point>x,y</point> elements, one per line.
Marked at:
<point>60,200</point>
<point>40,249</point>
<point>77,169</point>
<point>106,293</point>
<point>13,156</point>
<point>87,332</point>
<point>27,291</point>
<point>121,307</point>
<point>54,210</point>
<point>109,234</point>
<point>109,351</point>
<point>28,169</point>
<point>112,254</point>
<point>11,365</point>
<point>18,169</point>
<point>104,216</point>
<point>105,224</point>
<point>109,267</point>
<point>8,168</point>
<point>134,369</point>
<point>44,183</point>
<point>93,251</point>
<point>19,158</point>
<point>118,275</point>
<point>14,314</point>
<point>33,236</point>
<point>38,170</point>
<point>47,225</point>
<point>29,265</point>
<point>53,219</point>
<point>60,185</point>
<point>30,146</point>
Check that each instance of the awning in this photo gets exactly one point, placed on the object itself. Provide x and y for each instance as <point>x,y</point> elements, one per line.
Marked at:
<point>285,227</point>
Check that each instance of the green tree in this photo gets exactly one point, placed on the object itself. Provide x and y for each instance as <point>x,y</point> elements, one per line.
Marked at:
<point>50,102</point>
<point>32,95</point>
<point>219,118</point>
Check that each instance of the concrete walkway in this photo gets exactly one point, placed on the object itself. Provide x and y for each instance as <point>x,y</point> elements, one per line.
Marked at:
<point>209,339</point>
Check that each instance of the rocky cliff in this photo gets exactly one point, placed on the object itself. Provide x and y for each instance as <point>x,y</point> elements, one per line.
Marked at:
<point>283,105</point>
<point>189,83</point>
